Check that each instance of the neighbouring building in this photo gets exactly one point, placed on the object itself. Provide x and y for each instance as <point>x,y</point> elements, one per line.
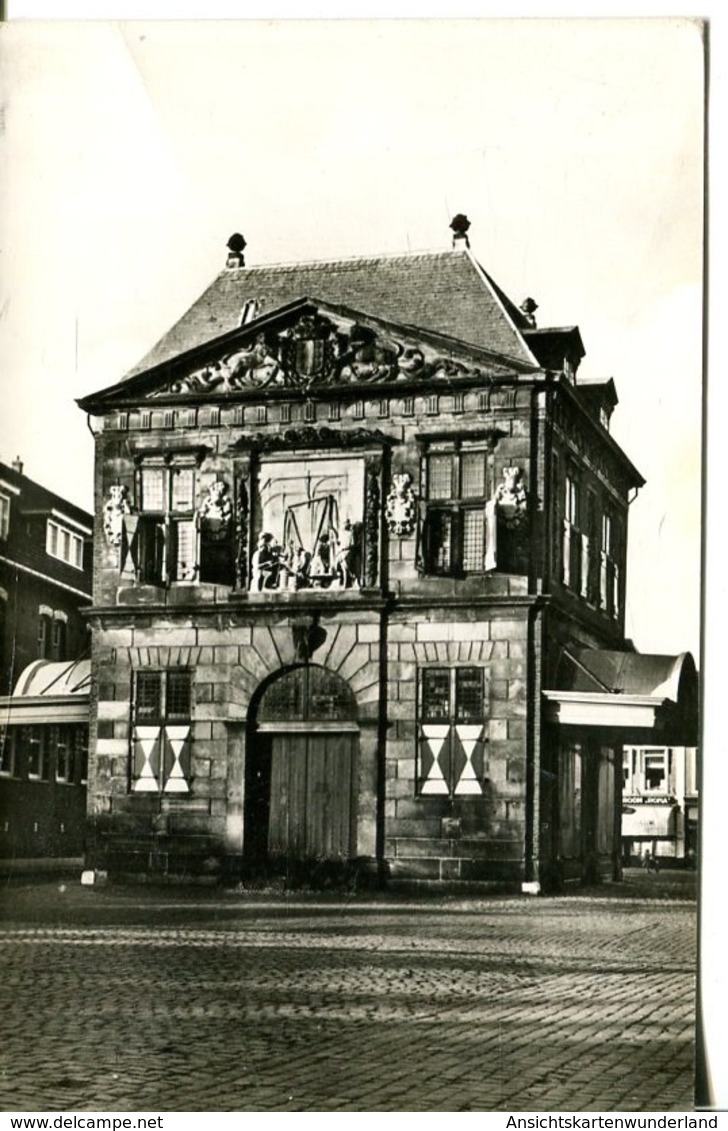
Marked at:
<point>660,803</point>
<point>364,533</point>
<point>45,584</point>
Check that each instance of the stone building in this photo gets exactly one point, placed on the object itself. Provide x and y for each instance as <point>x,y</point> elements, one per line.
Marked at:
<point>359,518</point>
<point>45,584</point>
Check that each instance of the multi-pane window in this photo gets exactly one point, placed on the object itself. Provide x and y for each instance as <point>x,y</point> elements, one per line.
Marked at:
<point>161,736</point>
<point>572,546</point>
<point>71,746</point>
<point>589,557</point>
<point>655,771</point>
<point>609,581</point>
<point>44,635</point>
<point>4,516</point>
<point>160,542</point>
<point>63,544</point>
<point>35,740</point>
<point>58,643</point>
<point>451,757</point>
<point>459,532</point>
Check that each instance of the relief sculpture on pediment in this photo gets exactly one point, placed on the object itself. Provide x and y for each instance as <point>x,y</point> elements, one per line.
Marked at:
<point>316,351</point>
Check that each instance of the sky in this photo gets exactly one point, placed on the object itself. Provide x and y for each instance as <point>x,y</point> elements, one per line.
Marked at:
<point>132,150</point>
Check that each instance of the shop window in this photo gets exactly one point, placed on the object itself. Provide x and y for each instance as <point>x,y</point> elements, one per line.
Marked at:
<point>63,544</point>
<point>458,533</point>
<point>160,543</point>
<point>451,753</point>
<point>162,712</point>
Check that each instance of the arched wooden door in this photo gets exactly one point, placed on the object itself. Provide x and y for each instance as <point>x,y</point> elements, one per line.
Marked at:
<point>305,747</point>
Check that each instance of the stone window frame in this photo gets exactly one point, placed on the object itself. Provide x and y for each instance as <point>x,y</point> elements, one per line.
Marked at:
<point>149,752</point>
<point>424,784</point>
<point>453,511</point>
<point>159,545</point>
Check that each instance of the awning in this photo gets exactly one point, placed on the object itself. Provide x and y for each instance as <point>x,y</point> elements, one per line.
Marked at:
<point>49,692</point>
<point>642,698</point>
<point>644,818</point>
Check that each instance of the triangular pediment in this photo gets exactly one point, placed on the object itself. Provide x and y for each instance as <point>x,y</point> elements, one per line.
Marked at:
<point>307,344</point>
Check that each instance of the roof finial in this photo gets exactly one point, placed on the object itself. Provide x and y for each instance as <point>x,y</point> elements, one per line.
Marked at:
<point>236,246</point>
<point>460,225</point>
<point>529,306</point>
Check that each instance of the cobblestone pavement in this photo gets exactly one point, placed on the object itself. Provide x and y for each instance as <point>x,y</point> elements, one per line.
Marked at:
<point>117,1000</point>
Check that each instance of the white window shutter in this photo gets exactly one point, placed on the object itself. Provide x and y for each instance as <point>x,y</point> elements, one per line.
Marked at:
<point>491,535</point>
<point>129,556</point>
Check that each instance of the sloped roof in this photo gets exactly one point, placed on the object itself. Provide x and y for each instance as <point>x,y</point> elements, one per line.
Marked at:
<point>648,698</point>
<point>446,292</point>
<point>630,673</point>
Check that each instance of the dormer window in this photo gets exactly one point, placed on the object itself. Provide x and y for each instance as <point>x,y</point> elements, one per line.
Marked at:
<point>64,545</point>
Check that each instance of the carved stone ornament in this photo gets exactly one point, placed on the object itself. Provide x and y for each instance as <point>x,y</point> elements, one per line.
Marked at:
<point>115,507</point>
<point>367,360</point>
<point>510,497</point>
<point>216,512</point>
<point>309,351</point>
<point>315,351</point>
<point>252,367</point>
<point>401,508</point>
<point>310,437</point>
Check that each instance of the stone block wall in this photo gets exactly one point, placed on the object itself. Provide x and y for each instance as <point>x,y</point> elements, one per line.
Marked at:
<point>458,837</point>
<point>230,660</point>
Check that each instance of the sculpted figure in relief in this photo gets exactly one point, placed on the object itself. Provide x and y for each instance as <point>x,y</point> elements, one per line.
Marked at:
<point>400,508</point>
<point>115,507</point>
<point>510,496</point>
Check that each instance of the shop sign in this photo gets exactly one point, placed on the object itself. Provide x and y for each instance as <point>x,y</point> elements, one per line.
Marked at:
<point>639,800</point>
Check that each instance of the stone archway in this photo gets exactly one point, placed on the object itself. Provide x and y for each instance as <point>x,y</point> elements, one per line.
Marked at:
<point>303,764</point>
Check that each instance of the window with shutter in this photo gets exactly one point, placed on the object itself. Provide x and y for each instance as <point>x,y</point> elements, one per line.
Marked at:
<point>160,543</point>
<point>162,710</point>
<point>459,522</point>
<point>451,739</point>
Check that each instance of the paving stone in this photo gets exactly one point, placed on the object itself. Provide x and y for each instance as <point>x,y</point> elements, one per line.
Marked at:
<point>135,1002</point>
